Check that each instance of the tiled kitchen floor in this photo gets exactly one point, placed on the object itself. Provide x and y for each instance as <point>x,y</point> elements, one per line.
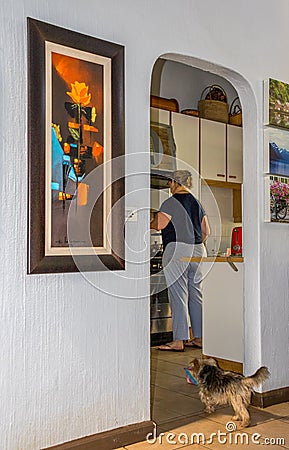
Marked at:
<point>176,409</point>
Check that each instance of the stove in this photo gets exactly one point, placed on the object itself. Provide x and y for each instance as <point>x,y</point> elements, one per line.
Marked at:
<point>160,311</point>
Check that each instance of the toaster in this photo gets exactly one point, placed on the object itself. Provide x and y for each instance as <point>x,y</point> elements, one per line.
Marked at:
<point>236,243</point>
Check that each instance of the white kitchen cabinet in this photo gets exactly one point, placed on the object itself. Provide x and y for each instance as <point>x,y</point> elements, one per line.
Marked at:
<point>160,115</point>
<point>186,137</point>
<point>234,154</point>
<point>223,311</point>
<point>213,150</point>
<point>221,150</point>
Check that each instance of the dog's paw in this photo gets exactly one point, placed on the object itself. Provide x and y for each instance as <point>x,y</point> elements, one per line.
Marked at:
<point>244,424</point>
<point>235,418</point>
<point>209,410</point>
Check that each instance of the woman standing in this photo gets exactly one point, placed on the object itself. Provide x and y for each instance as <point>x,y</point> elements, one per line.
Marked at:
<point>184,226</point>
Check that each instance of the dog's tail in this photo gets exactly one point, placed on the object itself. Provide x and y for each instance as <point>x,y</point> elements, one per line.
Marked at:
<point>259,376</point>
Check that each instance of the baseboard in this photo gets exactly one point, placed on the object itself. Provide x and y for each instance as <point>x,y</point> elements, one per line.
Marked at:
<point>269,398</point>
<point>226,364</point>
<point>109,440</point>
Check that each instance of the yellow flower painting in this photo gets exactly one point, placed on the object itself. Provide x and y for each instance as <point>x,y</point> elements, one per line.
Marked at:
<point>79,93</point>
<point>77,108</point>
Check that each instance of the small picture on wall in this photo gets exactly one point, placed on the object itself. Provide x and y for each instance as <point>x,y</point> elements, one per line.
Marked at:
<point>276,103</point>
<point>162,147</point>
<point>276,199</point>
<point>276,144</point>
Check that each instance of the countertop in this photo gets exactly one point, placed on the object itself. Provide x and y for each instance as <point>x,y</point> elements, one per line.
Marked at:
<point>216,259</point>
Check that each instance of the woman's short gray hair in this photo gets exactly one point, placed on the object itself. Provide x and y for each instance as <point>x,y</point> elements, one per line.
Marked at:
<point>182,177</point>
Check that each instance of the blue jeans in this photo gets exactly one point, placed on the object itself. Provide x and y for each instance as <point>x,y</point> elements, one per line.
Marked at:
<point>184,282</point>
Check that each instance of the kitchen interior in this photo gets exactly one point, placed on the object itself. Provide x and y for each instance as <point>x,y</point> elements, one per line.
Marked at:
<point>187,134</point>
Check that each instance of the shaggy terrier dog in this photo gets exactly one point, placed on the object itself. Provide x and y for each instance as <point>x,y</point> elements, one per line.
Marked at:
<point>219,387</point>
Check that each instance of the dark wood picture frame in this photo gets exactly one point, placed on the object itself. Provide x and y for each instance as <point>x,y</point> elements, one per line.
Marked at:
<point>39,260</point>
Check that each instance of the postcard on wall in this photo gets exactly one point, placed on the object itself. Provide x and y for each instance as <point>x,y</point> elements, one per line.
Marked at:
<point>276,151</point>
<point>276,103</point>
<point>276,199</point>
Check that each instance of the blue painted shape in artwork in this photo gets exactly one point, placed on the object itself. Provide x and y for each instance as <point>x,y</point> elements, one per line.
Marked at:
<point>55,186</point>
<point>56,164</point>
<point>59,160</point>
<point>72,175</point>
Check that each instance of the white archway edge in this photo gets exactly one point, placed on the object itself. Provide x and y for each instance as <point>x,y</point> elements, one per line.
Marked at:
<point>251,222</point>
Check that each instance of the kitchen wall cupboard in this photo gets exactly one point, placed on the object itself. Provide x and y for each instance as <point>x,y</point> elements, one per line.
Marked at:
<point>160,116</point>
<point>213,150</point>
<point>186,136</point>
<point>221,150</point>
<point>234,154</point>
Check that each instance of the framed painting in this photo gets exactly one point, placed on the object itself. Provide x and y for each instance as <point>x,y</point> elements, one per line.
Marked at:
<point>75,151</point>
<point>276,103</point>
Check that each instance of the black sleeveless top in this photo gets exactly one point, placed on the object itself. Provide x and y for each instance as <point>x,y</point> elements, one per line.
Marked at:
<point>186,214</point>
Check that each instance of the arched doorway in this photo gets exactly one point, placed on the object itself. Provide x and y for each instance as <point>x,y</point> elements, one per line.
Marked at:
<point>173,77</point>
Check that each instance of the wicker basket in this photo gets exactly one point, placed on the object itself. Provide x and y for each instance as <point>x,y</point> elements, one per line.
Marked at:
<point>215,105</point>
<point>235,113</point>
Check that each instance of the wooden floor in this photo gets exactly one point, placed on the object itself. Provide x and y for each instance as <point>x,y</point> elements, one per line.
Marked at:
<point>176,409</point>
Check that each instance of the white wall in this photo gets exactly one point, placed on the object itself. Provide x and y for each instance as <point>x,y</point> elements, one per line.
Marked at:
<point>75,354</point>
<point>75,360</point>
<point>187,84</point>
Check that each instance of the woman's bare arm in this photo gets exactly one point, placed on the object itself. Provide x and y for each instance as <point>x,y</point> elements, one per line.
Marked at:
<point>205,228</point>
<point>160,221</point>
